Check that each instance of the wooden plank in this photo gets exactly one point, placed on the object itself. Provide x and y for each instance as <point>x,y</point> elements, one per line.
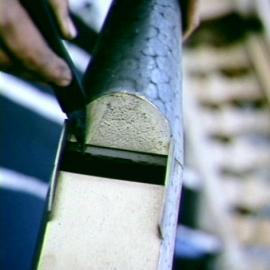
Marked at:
<point>244,228</point>
<point>212,9</point>
<point>101,223</point>
<point>170,207</point>
<point>263,9</point>
<point>214,205</point>
<point>249,192</point>
<point>231,57</point>
<point>251,230</point>
<point>218,89</point>
<point>240,156</point>
<point>259,57</point>
<point>230,121</point>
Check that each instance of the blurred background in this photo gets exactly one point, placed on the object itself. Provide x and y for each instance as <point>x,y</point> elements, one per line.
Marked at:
<point>224,219</point>
<point>225,208</point>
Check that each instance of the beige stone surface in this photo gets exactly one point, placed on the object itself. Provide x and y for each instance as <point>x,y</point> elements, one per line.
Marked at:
<point>127,121</point>
<point>101,224</point>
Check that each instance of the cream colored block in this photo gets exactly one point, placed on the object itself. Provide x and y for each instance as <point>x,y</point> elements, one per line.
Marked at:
<point>101,224</point>
<point>127,121</point>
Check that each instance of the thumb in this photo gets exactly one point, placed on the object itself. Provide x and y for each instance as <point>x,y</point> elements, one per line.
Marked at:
<point>61,11</point>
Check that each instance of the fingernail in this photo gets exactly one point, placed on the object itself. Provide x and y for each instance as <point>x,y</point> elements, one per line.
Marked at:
<point>63,82</point>
<point>65,76</point>
<point>72,29</point>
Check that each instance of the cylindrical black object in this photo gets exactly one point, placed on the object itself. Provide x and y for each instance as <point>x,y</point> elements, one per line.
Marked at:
<point>139,52</point>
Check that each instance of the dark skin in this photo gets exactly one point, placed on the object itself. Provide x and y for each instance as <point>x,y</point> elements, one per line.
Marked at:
<point>25,45</point>
<point>25,52</point>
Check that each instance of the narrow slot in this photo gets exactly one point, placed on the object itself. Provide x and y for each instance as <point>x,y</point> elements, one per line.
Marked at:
<point>115,164</point>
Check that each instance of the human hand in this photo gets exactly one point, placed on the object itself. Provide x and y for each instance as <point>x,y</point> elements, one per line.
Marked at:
<point>24,49</point>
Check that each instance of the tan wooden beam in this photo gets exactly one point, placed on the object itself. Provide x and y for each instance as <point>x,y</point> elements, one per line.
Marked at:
<point>101,223</point>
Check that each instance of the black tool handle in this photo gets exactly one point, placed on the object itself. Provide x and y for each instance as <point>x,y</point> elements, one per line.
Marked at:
<point>71,97</point>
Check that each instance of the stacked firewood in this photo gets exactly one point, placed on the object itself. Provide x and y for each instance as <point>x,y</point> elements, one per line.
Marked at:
<point>227,82</point>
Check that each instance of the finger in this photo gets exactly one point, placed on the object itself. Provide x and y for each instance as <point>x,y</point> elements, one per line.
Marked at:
<point>5,60</point>
<point>61,11</point>
<point>26,44</point>
<point>8,66</point>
